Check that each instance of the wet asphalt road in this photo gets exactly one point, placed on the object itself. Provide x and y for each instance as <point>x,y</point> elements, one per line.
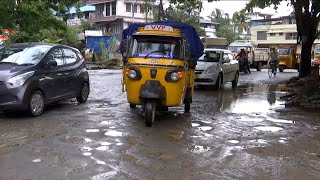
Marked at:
<point>241,134</point>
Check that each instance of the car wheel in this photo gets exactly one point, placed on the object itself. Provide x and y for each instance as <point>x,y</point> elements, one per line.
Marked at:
<point>84,94</point>
<point>217,86</point>
<point>235,80</point>
<point>36,103</point>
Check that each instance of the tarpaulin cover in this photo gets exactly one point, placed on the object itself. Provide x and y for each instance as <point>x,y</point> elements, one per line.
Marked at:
<point>188,32</point>
<point>94,42</point>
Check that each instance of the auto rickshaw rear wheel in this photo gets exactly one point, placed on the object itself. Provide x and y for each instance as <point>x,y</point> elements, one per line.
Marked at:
<point>149,113</point>
<point>132,106</point>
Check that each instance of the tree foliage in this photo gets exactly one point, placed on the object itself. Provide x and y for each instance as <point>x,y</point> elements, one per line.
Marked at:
<point>33,20</point>
<point>229,28</point>
<point>307,14</point>
<point>184,12</point>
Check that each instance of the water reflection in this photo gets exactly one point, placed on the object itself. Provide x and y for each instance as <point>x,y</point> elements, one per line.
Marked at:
<point>271,96</point>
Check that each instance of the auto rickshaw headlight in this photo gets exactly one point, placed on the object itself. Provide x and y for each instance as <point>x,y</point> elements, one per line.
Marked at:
<point>173,76</point>
<point>133,73</point>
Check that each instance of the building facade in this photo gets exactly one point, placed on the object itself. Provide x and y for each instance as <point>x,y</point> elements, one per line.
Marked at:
<point>275,32</point>
<point>209,27</point>
<point>112,16</point>
<point>87,13</point>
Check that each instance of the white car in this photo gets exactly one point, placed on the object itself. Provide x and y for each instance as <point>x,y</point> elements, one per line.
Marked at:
<point>215,67</point>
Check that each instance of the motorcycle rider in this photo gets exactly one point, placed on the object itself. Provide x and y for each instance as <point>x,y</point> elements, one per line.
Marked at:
<point>244,56</point>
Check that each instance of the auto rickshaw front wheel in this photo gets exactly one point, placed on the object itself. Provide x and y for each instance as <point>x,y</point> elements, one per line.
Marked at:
<point>149,112</point>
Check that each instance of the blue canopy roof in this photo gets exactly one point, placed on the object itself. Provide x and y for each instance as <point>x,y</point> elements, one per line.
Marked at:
<point>82,9</point>
<point>189,33</point>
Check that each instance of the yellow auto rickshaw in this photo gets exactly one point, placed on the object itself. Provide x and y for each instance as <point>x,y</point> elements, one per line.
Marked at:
<point>287,58</point>
<point>159,63</point>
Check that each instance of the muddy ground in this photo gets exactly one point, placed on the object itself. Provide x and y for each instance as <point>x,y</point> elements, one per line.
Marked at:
<point>230,134</point>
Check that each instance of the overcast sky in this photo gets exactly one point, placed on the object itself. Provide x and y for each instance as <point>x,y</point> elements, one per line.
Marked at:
<point>231,6</point>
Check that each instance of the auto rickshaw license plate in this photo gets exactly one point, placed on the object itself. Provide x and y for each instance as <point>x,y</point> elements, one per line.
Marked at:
<point>153,61</point>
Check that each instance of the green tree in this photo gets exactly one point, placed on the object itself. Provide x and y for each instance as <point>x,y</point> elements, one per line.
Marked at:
<point>187,12</point>
<point>29,20</point>
<point>226,27</point>
<point>307,14</point>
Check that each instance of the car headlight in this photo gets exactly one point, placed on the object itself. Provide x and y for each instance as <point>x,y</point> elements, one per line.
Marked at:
<point>133,73</point>
<point>173,76</point>
<point>19,80</point>
<point>211,69</point>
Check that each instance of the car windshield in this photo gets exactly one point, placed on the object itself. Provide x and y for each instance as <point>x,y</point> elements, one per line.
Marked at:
<point>212,56</point>
<point>234,49</point>
<point>284,51</point>
<point>23,55</point>
<point>156,47</point>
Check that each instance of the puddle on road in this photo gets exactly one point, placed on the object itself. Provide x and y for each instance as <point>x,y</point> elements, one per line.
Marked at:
<point>36,160</point>
<point>113,133</point>
<point>87,140</point>
<point>86,149</point>
<point>87,153</point>
<point>205,128</point>
<point>269,128</point>
<point>105,143</point>
<point>234,141</point>
<point>200,149</point>
<point>195,124</point>
<point>255,99</point>
<point>92,130</point>
<point>102,148</point>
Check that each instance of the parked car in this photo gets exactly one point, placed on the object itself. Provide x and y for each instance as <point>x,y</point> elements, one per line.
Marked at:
<point>215,67</point>
<point>33,75</point>
<point>1,46</point>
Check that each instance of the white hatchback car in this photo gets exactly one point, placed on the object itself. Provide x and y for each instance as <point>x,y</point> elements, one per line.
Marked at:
<point>215,67</point>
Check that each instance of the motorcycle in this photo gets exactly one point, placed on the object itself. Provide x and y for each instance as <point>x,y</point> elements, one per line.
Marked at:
<point>243,65</point>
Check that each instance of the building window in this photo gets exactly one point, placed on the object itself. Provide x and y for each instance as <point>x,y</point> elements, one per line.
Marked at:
<point>280,34</point>
<point>142,11</point>
<point>291,36</point>
<point>262,35</point>
<point>114,8</point>
<point>272,34</point>
<point>108,13</point>
<point>135,8</point>
<point>128,7</point>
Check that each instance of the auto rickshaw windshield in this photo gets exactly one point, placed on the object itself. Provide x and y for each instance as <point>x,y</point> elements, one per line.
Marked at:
<point>284,51</point>
<point>156,47</point>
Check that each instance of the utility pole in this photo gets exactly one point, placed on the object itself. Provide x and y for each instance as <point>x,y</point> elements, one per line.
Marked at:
<point>133,9</point>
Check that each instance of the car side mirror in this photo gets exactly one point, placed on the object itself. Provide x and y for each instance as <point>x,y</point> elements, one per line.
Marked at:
<point>51,63</point>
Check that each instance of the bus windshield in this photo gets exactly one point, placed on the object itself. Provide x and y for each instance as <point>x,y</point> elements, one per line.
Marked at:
<point>156,47</point>
<point>284,51</point>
